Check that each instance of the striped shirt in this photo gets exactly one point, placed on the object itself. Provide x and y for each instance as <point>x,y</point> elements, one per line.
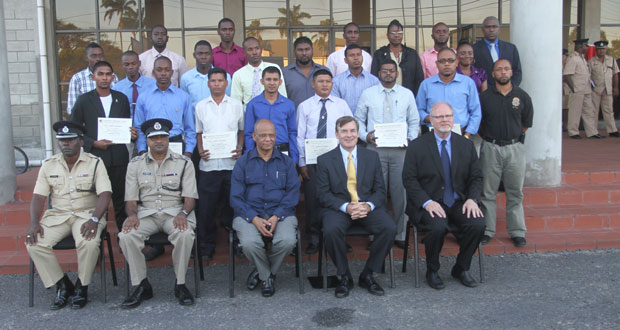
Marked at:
<point>79,84</point>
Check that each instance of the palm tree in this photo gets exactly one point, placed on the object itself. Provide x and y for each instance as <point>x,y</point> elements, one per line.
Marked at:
<point>295,18</point>
<point>125,11</point>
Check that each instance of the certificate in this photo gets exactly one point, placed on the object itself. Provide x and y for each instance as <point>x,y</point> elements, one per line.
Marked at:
<point>455,129</point>
<point>220,145</point>
<point>176,147</point>
<point>114,129</point>
<point>391,135</point>
<point>316,147</point>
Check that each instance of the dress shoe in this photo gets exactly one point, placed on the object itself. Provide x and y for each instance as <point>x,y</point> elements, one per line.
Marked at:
<point>312,248</point>
<point>143,291</point>
<point>518,241</point>
<point>344,286</point>
<point>64,291</point>
<point>253,280</point>
<point>485,239</point>
<point>368,282</point>
<point>154,252</point>
<point>207,252</point>
<point>576,136</point>
<point>268,286</point>
<point>400,244</point>
<point>434,281</point>
<point>464,277</point>
<point>596,136</point>
<point>349,248</point>
<point>80,298</point>
<point>183,295</point>
<point>614,134</point>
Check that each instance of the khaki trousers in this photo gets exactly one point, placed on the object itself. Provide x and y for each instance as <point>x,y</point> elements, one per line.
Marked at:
<point>45,260</point>
<point>580,106</point>
<point>132,244</point>
<point>606,103</point>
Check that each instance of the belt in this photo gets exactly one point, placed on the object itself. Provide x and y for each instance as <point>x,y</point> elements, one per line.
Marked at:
<point>502,143</point>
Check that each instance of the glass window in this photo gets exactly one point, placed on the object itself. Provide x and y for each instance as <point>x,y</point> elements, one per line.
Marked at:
<point>166,12</point>
<point>75,15</point>
<point>320,45</point>
<point>71,55</point>
<point>612,34</point>
<point>192,37</point>
<point>403,11</point>
<point>409,38</point>
<point>119,14</point>
<point>610,12</point>
<point>265,13</point>
<point>309,12</point>
<point>435,11</point>
<point>474,12</point>
<point>275,44</point>
<point>202,13</point>
<point>114,44</point>
<point>506,12</point>
<point>345,12</point>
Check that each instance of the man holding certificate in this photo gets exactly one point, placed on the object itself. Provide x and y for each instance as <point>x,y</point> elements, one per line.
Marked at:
<point>105,114</point>
<point>219,138</point>
<point>316,134</point>
<point>388,119</point>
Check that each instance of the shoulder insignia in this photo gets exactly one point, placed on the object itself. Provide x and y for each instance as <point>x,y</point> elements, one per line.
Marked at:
<point>137,158</point>
<point>179,156</point>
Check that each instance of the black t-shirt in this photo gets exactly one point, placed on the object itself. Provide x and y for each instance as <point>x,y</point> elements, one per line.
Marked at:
<point>504,117</point>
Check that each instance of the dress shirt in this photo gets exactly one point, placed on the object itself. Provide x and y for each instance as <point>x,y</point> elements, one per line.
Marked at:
<point>496,43</point>
<point>171,104</point>
<point>125,86</point>
<point>335,61</point>
<point>299,87</point>
<point>148,58</point>
<point>243,80</point>
<point>350,88</point>
<point>81,83</point>
<point>345,159</point>
<point>438,140</point>
<point>308,115</point>
<point>370,110</point>
<point>231,62</point>
<point>282,115</point>
<point>461,93</point>
<point>196,85</point>
<point>428,59</point>
<point>214,118</point>
<point>264,188</point>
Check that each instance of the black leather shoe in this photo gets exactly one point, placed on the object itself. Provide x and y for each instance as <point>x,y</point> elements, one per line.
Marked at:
<point>596,136</point>
<point>464,277</point>
<point>183,295</point>
<point>143,291</point>
<point>400,244</point>
<point>80,298</point>
<point>368,282</point>
<point>253,280</point>
<point>519,241</point>
<point>268,286</point>
<point>614,134</point>
<point>154,252</point>
<point>312,248</point>
<point>64,291</point>
<point>344,287</point>
<point>434,281</point>
<point>485,239</point>
<point>576,136</point>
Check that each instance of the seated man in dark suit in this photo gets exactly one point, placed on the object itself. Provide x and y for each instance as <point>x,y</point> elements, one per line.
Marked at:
<point>350,187</point>
<point>443,180</point>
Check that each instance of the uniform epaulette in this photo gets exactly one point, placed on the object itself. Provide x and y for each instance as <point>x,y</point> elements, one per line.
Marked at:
<point>179,156</point>
<point>138,157</point>
<point>91,155</point>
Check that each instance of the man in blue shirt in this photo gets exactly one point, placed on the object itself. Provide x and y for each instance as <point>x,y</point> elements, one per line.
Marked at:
<point>350,84</point>
<point>278,109</point>
<point>264,192</point>
<point>453,88</point>
<point>298,75</point>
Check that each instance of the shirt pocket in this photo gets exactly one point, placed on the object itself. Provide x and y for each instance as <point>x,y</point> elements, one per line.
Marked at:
<point>146,183</point>
<point>56,183</point>
<point>171,183</point>
<point>84,185</point>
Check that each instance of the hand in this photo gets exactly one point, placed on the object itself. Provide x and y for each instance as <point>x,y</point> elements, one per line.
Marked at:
<point>132,222</point>
<point>205,155</point>
<point>364,209</point>
<point>427,119</point>
<point>355,210</point>
<point>261,225</point>
<point>370,138</point>
<point>272,221</point>
<point>134,133</point>
<point>237,152</point>
<point>188,154</point>
<point>472,209</point>
<point>304,172</point>
<point>180,222</point>
<point>102,144</point>
<point>467,135</point>
<point>435,209</point>
<point>31,235</point>
<point>89,230</point>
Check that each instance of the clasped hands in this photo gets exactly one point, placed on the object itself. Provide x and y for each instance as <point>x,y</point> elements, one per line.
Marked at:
<point>262,224</point>
<point>358,210</point>
<point>470,208</point>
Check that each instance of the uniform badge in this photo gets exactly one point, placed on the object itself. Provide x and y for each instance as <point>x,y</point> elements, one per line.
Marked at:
<point>157,126</point>
<point>65,129</point>
<point>516,102</point>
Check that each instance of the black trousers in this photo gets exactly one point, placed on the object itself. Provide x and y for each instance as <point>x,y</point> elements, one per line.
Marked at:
<point>468,232</point>
<point>378,223</point>
<point>117,179</point>
<point>213,190</point>
<point>313,221</point>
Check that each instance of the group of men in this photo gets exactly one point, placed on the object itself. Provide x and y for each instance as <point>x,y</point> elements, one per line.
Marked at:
<point>177,186</point>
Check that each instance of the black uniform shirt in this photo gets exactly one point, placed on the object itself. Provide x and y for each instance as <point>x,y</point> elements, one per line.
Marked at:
<point>504,117</point>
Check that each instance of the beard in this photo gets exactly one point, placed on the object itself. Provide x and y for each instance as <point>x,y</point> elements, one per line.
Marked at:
<point>503,82</point>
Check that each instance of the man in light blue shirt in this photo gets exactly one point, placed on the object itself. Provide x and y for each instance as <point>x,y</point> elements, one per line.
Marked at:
<point>386,103</point>
<point>195,81</point>
<point>453,88</point>
<point>350,84</point>
<point>131,65</point>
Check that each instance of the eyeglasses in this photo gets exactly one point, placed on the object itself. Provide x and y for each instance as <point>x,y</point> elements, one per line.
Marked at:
<point>387,71</point>
<point>446,60</point>
<point>443,117</point>
<point>394,33</point>
<point>264,135</point>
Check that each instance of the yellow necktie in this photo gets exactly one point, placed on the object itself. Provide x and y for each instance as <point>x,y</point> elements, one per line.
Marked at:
<point>352,180</point>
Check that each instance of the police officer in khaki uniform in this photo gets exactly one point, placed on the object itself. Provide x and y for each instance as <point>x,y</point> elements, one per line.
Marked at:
<point>604,73</point>
<point>576,75</point>
<point>160,194</point>
<point>80,193</point>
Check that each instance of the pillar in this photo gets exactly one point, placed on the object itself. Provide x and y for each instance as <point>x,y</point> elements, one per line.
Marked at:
<point>8,179</point>
<point>591,20</point>
<point>541,62</point>
<point>234,10</point>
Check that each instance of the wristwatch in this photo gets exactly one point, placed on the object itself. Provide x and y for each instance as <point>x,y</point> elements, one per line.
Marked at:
<point>185,212</point>
<point>94,219</point>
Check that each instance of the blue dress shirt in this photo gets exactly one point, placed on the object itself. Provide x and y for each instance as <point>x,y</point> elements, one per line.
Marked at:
<point>125,86</point>
<point>172,104</point>
<point>282,115</point>
<point>496,42</point>
<point>196,85</point>
<point>264,188</point>
<point>350,88</point>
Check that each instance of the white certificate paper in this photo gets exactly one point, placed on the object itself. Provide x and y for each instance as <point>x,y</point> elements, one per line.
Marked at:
<point>114,129</point>
<point>391,135</point>
<point>176,147</point>
<point>455,129</point>
<point>316,147</point>
<point>220,145</point>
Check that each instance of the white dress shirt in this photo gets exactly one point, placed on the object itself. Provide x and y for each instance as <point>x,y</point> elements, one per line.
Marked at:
<point>148,58</point>
<point>335,61</point>
<point>243,81</point>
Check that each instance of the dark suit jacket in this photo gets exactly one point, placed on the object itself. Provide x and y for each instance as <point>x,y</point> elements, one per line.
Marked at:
<point>86,110</point>
<point>410,65</point>
<point>331,179</point>
<point>423,173</point>
<point>483,59</point>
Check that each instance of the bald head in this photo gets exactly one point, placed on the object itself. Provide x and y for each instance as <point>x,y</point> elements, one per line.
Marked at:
<point>490,28</point>
<point>264,136</point>
<point>442,119</point>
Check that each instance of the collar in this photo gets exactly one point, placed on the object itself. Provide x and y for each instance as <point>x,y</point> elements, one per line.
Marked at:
<point>317,99</point>
<point>431,51</point>
<point>81,158</point>
<point>149,156</point>
<point>224,100</point>
<point>254,154</point>
<point>171,88</point>
<point>438,139</point>
<point>496,42</point>
<point>457,78</point>
<point>196,73</point>
<point>261,98</point>
<point>165,52</point>
<point>235,48</point>
<point>345,154</point>
<point>362,74</point>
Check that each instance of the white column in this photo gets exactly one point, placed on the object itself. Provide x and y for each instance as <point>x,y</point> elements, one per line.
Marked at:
<point>8,180</point>
<point>536,30</point>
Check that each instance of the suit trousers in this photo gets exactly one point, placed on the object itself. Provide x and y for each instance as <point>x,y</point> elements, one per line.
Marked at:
<point>132,244</point>
<point>45,260</point>
<point>313,221</point>
<point>580,106</point>
<point>392,161</point>
<point>468,232</point>
<point>378,223</point>
<point>605,103</point>
<point>213,191</point>
<point>117,179</point>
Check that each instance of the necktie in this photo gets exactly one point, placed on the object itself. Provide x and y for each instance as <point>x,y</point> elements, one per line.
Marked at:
<point>387,106</point>
<point>256,86</point>
<point>134,98</point>
<point>448,193</point>
<point>352,180</point>
<point>321,131</point>
<point>493,52</point>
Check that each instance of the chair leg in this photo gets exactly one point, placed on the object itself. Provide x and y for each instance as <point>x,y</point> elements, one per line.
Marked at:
<point>481,263</point>
<point>416,259</point>
<point>231,265</point>
<point>111,256</point>
<point>31,284</point>
<point>196,267</point>
<point>320,261</point>
<point>127,285</point>
<point>300,264</point>
<point>324,262</point>
<point>392,268</point>
<point>103,277</point>
<point>406,252</point>
<point>297,254</point>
